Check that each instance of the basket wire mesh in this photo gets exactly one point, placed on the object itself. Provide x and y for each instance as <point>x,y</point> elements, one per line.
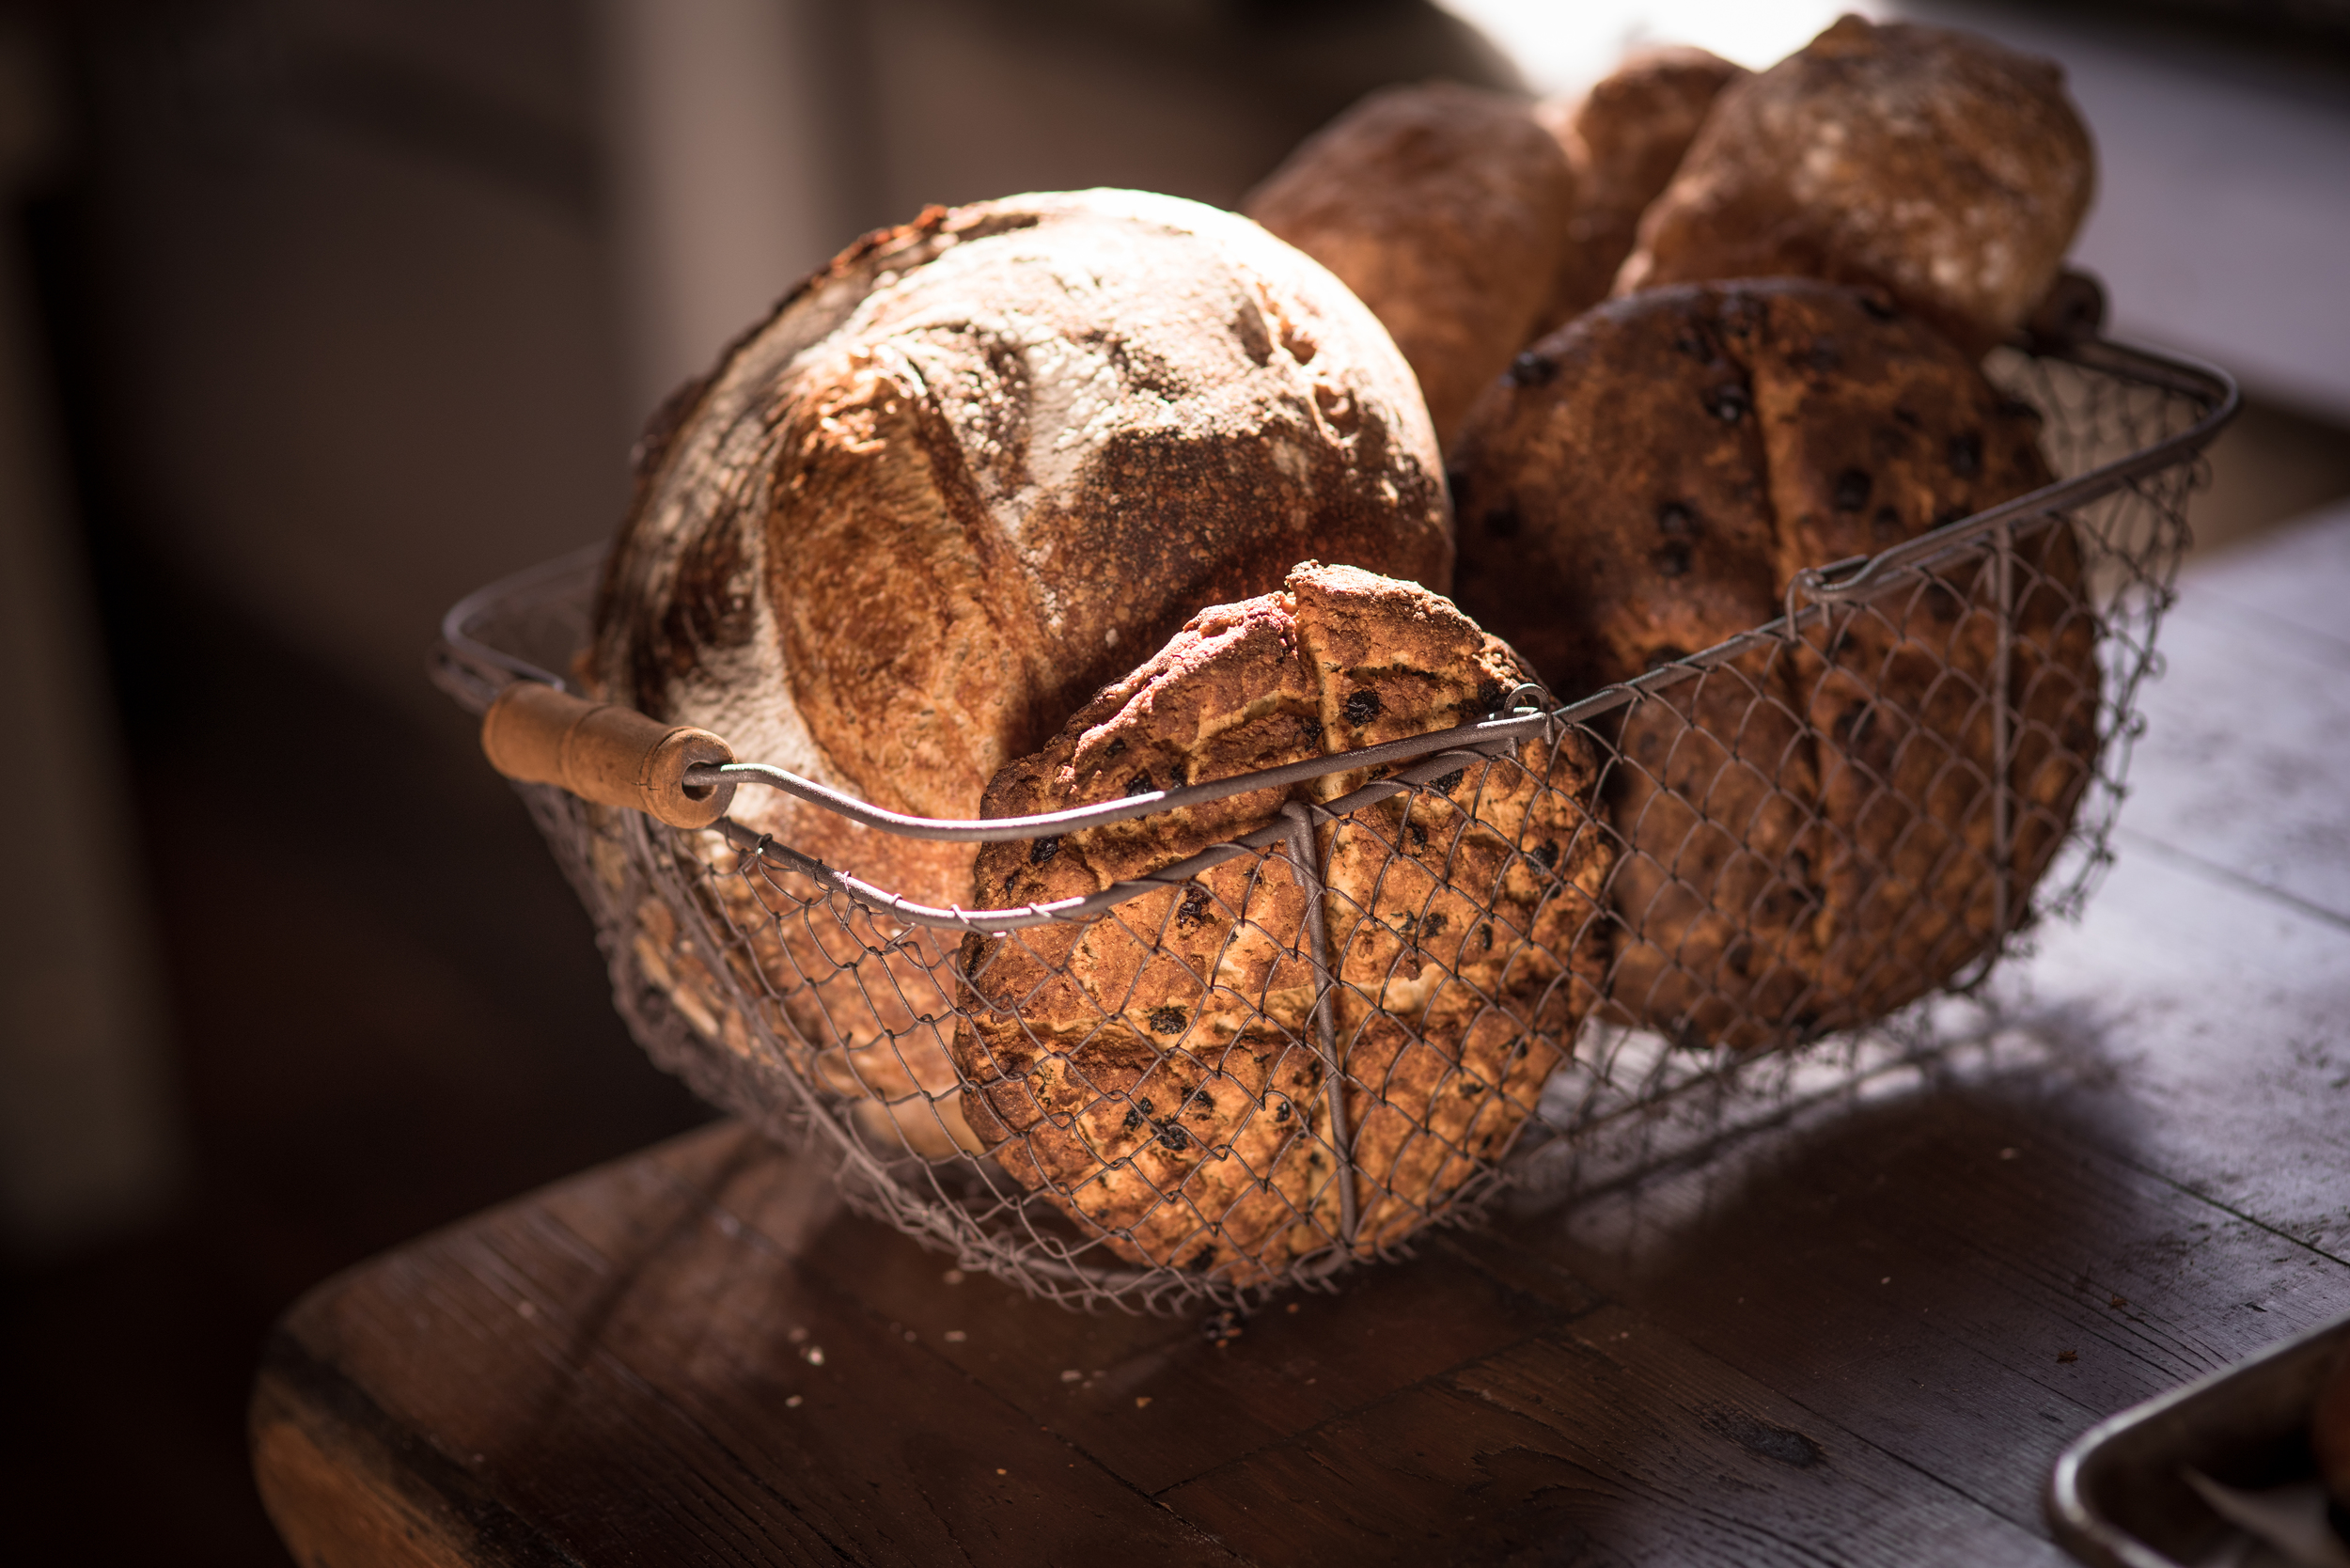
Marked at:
<point>1547,948</point>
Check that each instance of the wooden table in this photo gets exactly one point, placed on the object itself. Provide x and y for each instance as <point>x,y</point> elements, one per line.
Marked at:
<point>1862,1337</point>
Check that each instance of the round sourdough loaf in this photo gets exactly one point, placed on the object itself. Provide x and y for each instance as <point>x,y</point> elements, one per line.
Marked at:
<point>1624,139</point>
<point>958,480</point>
<point>1155,1070</point>
<point>1809,832</point>
<point>1942,167</point>
<point>1445,208</point>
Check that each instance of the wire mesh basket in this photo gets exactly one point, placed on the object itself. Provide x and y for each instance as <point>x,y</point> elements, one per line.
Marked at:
<point>1311,1006</point>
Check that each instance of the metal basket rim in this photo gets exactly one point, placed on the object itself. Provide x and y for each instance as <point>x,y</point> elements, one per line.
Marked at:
<point>473,671</point>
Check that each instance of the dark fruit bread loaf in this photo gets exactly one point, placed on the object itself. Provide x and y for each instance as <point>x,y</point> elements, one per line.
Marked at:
<point>1156,1071</point>
<point>1810,832</point>
<point>1942,167</point>
<point>959,480</point>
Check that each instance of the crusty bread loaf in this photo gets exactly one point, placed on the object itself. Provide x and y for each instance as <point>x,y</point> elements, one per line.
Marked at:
<point>1939,165</point>
<point>958,480</point>
<point>1809,831</point>
<point>1624,139</point>
<point>1445,208</point>
<point>1155,1070</point>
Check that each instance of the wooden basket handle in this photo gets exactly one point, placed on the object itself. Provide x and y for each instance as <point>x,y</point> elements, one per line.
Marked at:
<point>613,756</point>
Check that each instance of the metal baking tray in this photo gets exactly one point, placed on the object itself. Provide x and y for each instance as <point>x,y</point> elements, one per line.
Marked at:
<point>2119,1497</point>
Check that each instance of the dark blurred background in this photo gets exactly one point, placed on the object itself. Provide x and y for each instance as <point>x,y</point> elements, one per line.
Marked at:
<point>316,314</point>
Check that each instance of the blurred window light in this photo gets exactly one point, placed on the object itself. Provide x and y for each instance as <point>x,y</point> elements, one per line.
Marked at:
<point>1565,45</point>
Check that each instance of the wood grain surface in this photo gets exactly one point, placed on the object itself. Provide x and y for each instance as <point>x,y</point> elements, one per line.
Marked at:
<point>1860,1337</point>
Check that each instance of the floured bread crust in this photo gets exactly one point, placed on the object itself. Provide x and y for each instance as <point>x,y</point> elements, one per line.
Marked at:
<point>1810,837</point>
<point>1624,139</point>
<point>958,480</point>
<point>1445,208</point>
<point>1155,1070</point>
<point>1940,167</point>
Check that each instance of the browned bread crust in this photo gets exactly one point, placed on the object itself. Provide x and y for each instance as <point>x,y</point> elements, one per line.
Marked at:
<point>1624,139</point>
<point>957,481</point>
<point>1942,167</point>
<point>1155,1070</point>
<point>1810,833</point>
<point>1446,209</point>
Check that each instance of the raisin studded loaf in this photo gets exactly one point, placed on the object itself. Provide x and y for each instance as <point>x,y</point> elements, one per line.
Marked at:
<point>1809,831</point>
<point>958,480</point>
<point>1446,209</point>
<point>1624,139</point>
<point>1942,167</point>
<point>1155,1070</point>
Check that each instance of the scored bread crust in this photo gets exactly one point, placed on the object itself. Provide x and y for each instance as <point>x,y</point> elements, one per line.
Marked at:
<point>1154,1071</point>
<point>1624,139</point>
<point>1445,208</point>
<point>959,480</point>
<point>1808,836</point>
<point>1940,167</point>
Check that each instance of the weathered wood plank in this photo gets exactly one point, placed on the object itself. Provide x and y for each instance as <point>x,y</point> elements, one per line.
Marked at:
<point>2248,735</point>
<point>1610,1441</point>
<point>2211,1023</point>
<point>345,1491</point>
<point>1960,1276</point>
<point>1156,1402</point>
<point>2290,580</point>
<point>616,1362</point>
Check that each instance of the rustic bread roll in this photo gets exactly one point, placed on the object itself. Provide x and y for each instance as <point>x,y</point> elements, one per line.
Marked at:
<point>1624,139</point>
<point>1155,1070</point>
<point>1445,209</point>
<point>1810,832</point>
<point>958,480</point>
<point>1942,167</point>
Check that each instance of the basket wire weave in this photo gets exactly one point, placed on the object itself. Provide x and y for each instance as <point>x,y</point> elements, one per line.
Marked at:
<point>1385,1001</point>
